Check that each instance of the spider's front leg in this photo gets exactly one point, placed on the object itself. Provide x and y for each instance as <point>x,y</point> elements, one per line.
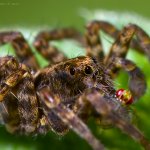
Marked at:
<point>12,75</point>
<point>111,30</point>
<point>116,58</point>
<point>52,104</point>
<point>93,41</point>
<point>107,108</point>
<point>21,47</point>
<point>51,53</point>
<point>137,82</point>
<point>122,43</point>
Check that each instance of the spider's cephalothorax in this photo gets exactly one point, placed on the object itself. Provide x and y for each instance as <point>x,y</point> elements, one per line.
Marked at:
<point>69,79</point>
<point>68,92</point>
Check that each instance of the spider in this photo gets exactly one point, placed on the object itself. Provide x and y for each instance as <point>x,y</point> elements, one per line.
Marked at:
<point>66,93</point>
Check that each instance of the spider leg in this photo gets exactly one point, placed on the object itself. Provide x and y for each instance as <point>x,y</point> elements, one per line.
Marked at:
<point>50,52</point>
<point>109,112</point>
<point>111,30</point>
<point>7,66</point>
<point>93,42</point>
<point>137,82</point>
<point>120,46</point>
<point>52,103</point>
<point>142,38</point>
<point>20,76</point>
<point>21,47</point>
<point>122,43</point>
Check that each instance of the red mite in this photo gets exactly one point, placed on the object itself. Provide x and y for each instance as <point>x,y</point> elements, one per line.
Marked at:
<point>124,96</point>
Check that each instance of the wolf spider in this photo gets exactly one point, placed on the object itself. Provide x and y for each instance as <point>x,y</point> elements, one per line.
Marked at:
<point>65,94</point>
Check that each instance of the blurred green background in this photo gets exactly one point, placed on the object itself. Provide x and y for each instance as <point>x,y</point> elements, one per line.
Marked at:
<point>53,13</point>
<point>64,12</point>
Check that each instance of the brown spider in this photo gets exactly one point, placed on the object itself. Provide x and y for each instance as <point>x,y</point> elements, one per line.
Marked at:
<point>66,93</point>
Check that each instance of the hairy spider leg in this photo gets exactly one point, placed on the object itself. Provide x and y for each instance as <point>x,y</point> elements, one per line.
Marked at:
<point>93,42</point>
<point>137,81</point>
<point>21,47</point>
<point>122,43</point>
<point>120,47</point>
<point>52,103</point>
<point>27,104</point>
<point>115,59</point>
<point>47,50</point>
<point>111,30</point>
<point>8,65</point>
<point>104,108</point>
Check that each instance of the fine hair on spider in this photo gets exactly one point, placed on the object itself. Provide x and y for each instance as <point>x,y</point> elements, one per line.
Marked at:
<point>65,94</point>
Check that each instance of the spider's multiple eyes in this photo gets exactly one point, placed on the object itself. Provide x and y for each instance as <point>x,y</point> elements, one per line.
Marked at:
<point>87,70</point>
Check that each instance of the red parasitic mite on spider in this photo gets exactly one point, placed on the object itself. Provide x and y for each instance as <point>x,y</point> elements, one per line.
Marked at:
<point>124,96</point>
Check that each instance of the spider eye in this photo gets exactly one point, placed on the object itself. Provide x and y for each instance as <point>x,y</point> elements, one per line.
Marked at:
<point>72,71</point>
<point>88,70</point>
